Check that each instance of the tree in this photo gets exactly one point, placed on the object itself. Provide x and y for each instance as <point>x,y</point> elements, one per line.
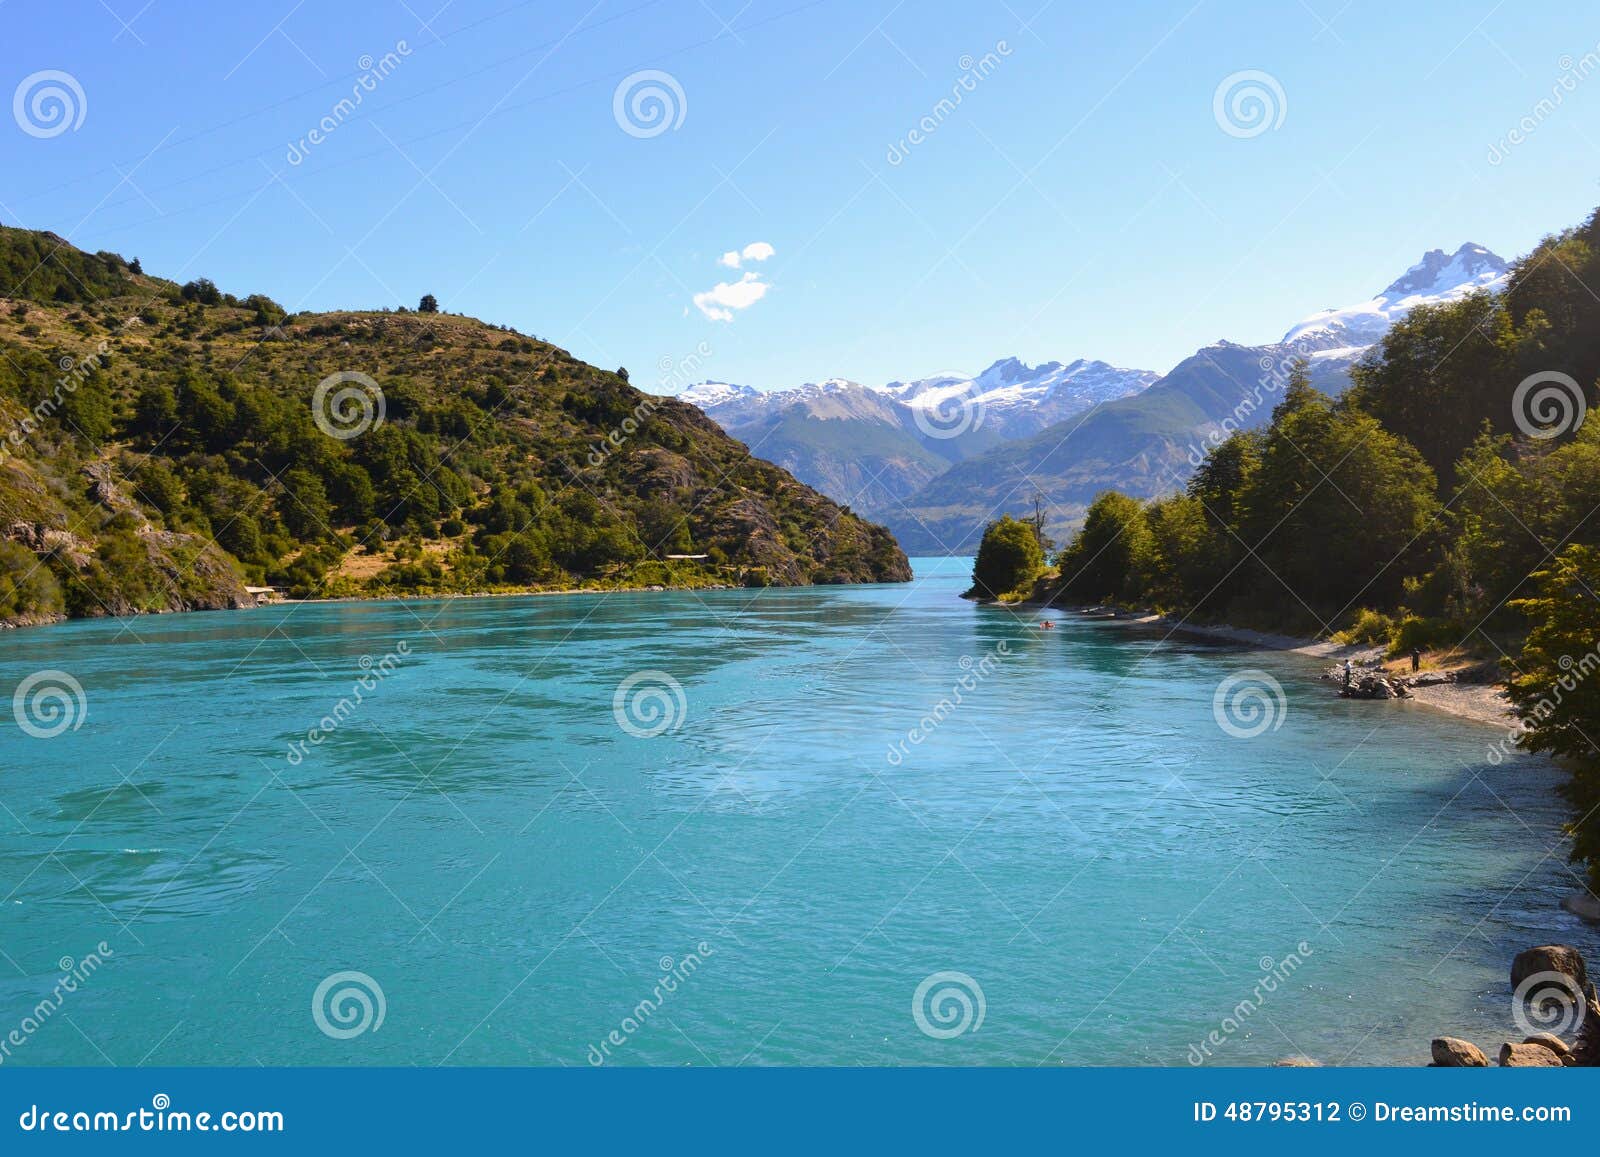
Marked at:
<point>1556,688</point>
<point>1439,374</point>
<point>1009,559</point>
<point>1037,521</point>
<point>428,304</point>
<point>1337,511</point>
<point>1110,557</point>
<point>202,290</point>
<point>1188,555</point>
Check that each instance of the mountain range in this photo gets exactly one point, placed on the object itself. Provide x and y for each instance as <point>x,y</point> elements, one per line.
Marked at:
<point>872,446</point>
<point>938,457</point>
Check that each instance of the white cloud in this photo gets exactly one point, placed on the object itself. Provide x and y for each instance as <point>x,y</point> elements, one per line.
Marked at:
<point>721,301</point>
<point>755,251</point>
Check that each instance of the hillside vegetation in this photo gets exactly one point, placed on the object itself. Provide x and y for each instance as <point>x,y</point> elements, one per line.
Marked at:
<point>163,445</point>
<point>1449,502</point>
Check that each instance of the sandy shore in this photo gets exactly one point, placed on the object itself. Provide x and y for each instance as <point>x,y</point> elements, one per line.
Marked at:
<point>1480,702</point>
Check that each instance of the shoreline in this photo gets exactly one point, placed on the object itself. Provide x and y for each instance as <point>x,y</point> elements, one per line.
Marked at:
<point>56,620</point>
<point>1478,702</point>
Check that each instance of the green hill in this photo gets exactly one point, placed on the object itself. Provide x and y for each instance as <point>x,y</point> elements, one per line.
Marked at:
<point>163,445</point>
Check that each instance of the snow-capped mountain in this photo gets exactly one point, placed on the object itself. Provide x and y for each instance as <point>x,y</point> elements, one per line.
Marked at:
<point>870,446</point>
<point>1149,443</point>
<point>1019,399</point>
<point>1012,398</point>
<point>1436,279</point>
<point>708,395</point>
<point>859,445</point>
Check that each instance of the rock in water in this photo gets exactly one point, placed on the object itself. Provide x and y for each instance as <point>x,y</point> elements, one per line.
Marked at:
<point>1583,905</point>
<point>1558,958</point>
<point>1453,1053</point>
<point>1528,1056</point>
<point>1554,1043</point>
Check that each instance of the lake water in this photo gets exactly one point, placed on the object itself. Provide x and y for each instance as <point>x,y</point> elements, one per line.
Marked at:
<point>770,879</point>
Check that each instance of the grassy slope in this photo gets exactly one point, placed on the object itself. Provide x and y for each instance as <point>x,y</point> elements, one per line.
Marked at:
<point>178,458</point>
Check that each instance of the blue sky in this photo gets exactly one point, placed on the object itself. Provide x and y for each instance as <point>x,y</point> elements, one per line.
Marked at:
<point>1083,199</point>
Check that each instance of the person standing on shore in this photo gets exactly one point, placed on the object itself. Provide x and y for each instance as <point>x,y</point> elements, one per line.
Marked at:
<point>1347,674</point>
<point>1416,659</point>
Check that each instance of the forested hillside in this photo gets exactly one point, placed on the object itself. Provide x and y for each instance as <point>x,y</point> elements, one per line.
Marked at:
<point>162,445</point>
<point>1449,501</point>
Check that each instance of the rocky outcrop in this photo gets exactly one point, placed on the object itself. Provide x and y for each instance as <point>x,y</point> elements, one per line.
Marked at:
<point>1453,1053</point>
<point>1554,1043</point>
<point>1528,1056</point>
<point>44,539</point>
<point>1544,976</point>
<point>1369,685</point>
<point>1583,905</point>
<point>1559,959</point>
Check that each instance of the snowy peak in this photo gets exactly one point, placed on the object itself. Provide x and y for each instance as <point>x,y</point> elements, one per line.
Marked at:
<point>708,395</point>
<point>1438,278</point>
<point>1439,274</point>
<point>1016,399</point>
<point>1009,371</point>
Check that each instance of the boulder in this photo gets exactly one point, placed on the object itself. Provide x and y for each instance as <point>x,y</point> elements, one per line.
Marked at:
<point>1528,1056</point>
<point>1453,1053</point>
<point>1558,958</point>
<point>1552,1042</point>
<point>1432,679</point>
<point>1583,905</point>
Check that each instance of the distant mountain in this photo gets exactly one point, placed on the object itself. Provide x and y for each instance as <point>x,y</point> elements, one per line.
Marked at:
<point>871,446</point>
<point>1015,399</point>
<point>1437,278</point>
<point>1148,444</point>
<point>860,446</point>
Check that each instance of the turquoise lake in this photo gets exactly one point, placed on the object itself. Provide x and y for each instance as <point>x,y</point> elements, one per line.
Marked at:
<point>808,840</point>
